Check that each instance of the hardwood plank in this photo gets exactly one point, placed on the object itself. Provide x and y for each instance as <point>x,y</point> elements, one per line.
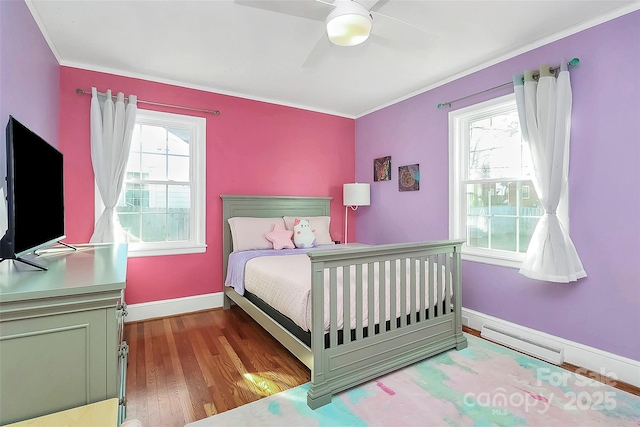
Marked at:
<point>181,384</point>
<point>151,390</point>
<point>194,377</point>
<point>200,350</point>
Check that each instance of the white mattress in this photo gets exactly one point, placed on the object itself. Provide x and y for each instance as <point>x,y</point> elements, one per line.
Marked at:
<point>284,282</point>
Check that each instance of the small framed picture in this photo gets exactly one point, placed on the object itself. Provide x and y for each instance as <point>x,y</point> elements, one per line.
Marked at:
<point>409,178</point>
<point>382,169</point>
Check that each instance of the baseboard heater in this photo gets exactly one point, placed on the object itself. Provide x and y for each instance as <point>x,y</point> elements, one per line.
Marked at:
<point>524,345</point>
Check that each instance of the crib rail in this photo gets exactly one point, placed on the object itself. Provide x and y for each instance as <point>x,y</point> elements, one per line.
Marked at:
<point>387,305</point>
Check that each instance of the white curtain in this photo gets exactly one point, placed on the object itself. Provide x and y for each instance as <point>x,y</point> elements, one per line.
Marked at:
<point>544,109</point>
<point>111,129</point>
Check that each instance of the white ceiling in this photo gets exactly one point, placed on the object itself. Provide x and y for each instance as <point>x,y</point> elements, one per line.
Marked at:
<point>227,47</point>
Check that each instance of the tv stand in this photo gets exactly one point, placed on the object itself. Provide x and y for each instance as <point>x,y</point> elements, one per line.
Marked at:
<point>31,263</point>
<point>67,245</point>
<point>35,264</point>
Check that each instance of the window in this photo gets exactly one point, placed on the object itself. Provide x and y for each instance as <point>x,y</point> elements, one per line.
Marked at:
<point>162,204</point>
<point>492,203</point>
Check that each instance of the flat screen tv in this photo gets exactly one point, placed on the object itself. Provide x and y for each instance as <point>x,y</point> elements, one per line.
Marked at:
<point>35,197</point>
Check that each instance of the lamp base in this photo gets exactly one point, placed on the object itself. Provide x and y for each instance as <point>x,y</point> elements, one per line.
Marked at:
<point>346,219</point>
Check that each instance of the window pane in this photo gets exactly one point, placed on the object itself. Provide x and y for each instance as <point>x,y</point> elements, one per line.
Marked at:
<point>154,227</point>
<point>178,141</point>
<point>155,198</point>
<point>477,227</point>
<point>179,197</point>
<point>178,168</point>
<point>154,166</point>
<point>154,139</point>
<point>131,225</point>
<point>178,226</point>
<point>503,233</point>
<point>178,212</point>
<point>130,199</point>
<point>496,149</point>
<point>133,166</point>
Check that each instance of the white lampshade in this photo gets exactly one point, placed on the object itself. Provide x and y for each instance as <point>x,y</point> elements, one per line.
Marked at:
<point>349,24</point>
<point>356,194</point>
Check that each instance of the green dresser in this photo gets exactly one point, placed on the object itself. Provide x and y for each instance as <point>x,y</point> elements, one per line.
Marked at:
<point>61,341</point>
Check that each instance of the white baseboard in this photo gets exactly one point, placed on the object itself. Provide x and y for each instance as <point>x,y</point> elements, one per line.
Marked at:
<point>602,362</point>
<point>171,307</point>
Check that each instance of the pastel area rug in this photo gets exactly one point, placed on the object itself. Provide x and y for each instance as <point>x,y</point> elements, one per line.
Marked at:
<point>482,385</point>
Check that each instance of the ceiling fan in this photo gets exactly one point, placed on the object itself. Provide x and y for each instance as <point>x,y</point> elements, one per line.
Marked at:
<point>350,23</point>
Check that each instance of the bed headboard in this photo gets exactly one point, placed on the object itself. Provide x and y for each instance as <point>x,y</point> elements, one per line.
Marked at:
<point>266,207</point>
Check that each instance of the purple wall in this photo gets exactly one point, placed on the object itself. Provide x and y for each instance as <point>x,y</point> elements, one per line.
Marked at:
<point>29,75</point>
<point>602,310</point>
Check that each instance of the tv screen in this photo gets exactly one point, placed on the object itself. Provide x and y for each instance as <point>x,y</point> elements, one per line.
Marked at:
<point>35,199</point>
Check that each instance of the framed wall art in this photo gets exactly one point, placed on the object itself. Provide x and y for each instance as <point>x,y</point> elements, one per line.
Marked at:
<point>382,169</point>
<point>409,178</point>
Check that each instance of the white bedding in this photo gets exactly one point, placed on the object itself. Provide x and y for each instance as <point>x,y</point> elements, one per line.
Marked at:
<point>284,282</point>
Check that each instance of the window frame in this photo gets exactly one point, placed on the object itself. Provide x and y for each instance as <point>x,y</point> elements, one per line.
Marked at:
<point>197,182</point>
<point>458,169</point>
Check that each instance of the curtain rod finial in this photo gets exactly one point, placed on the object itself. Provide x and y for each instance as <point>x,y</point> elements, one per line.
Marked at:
<point>574,62</point>
<point>79,91</point>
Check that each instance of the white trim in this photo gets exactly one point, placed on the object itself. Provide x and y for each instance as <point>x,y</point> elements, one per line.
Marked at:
<point>591,358</point>
<point>509,260</point>
<point>625,10</point>
<point>173,250</point>
<point>172,307</point>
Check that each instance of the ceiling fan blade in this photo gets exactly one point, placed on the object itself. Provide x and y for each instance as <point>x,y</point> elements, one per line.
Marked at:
<point>393,32</point>
<point>318,53</point>
<point>373,5</point>
<point>310,9</point>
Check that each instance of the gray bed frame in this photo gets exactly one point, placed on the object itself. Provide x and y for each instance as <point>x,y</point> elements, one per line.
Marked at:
<point>348,362</point>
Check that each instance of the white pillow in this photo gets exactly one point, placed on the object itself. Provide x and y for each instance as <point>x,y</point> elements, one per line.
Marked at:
<point>248,233</point>
<point>320,225</point>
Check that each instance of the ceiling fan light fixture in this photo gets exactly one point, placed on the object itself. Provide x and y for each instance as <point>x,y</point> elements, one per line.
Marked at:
<point>349,24</point>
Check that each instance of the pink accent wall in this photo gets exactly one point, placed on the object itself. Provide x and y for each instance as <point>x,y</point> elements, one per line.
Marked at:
<point>253,148</point>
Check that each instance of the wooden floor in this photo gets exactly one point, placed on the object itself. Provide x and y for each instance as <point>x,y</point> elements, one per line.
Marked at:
<point>185,368</point>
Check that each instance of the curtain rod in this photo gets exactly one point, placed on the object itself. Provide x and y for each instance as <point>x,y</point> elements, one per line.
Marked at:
<point>573,63</point>
<point>214,112</point>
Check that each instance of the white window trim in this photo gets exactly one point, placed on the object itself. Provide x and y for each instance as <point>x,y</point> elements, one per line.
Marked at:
<point>197,170</point>
<point>457,201</point>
